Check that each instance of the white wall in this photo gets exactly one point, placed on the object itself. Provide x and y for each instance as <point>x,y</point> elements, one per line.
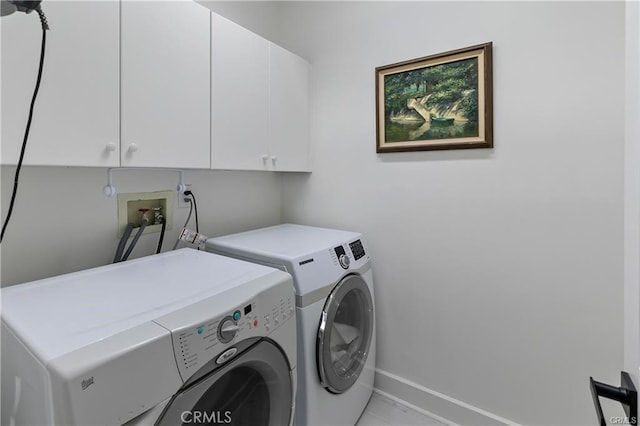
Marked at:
<point>632,193</point>
<point>62,222</point>
<point>499,272</point>
<point>261,17</point>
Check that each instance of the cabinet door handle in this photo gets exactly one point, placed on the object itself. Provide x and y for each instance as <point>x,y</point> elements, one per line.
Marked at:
<point>626,395</point>
<point>133,147</point>
<point>110,147</point>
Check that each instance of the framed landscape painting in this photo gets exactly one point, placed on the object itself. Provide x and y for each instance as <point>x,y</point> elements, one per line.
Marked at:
<point>442,101</point>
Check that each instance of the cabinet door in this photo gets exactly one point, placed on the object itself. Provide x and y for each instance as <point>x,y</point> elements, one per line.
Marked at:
<point>239,97</point>
<point>76,115</point>
<point>165,88</point>
<point>288,110</point>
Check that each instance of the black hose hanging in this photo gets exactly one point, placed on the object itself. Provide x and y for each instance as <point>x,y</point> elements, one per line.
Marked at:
<point>45,27</point>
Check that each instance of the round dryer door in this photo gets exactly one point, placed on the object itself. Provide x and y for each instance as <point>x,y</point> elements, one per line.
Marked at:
<point>345,334</point>
<point>253,388</point>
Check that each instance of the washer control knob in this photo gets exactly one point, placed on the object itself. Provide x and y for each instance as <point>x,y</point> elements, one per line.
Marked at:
<point>344,261</point>
<point>231,328</point>
<point>227,329</point>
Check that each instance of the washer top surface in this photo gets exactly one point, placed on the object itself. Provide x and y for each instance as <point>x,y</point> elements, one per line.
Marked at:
<point>57,315</point>
<point>285,242</point>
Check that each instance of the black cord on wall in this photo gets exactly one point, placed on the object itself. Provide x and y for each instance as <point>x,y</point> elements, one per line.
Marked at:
<point>45,27</point>
<point>195,207</point>
<point>186,222</point>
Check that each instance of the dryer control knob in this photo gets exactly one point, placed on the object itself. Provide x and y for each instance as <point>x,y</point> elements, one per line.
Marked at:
<point>227,329</point>
<point>344,261</point>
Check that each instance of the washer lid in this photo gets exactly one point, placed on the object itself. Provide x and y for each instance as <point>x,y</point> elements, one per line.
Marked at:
<point>284,242</point>
<point>57,315</point>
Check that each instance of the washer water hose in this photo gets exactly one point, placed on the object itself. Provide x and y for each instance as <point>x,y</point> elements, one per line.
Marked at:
<point>121,258</point>
<point>161,239</point>
<point>122,243</point>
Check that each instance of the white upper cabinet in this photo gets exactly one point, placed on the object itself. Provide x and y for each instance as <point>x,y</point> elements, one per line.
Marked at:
<point>151,84</point>
<point>75,120</point>
<point>239,97</point>
<point>259,102</point>
<point>288,110</point>
<point>165,84</point>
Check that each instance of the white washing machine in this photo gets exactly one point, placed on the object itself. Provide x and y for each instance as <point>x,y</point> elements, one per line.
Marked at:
<point>184,337</point>
<point>335,312</point>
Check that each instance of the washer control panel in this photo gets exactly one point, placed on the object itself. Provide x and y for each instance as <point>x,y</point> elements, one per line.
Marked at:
<point>204,340</point>
<point>351,254</point>
<point>197,343</point>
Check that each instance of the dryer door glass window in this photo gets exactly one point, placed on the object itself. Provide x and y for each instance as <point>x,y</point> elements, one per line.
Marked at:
<point>253,389</point>
<point>345,334</point>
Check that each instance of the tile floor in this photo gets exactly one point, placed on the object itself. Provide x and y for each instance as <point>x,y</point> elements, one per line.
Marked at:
<point>383,411</point>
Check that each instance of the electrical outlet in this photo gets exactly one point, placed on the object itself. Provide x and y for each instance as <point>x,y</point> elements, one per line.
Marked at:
<point>181,198</point>
<point>133,206</point>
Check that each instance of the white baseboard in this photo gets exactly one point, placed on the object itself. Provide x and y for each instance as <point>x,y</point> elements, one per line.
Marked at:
<point>434,404</point>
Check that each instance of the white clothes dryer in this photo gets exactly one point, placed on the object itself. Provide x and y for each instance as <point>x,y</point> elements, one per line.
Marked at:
<point>333,280</point>
<point>179,338</point>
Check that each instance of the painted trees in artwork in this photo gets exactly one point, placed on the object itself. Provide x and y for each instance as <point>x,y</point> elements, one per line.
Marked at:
<point>448,89</point>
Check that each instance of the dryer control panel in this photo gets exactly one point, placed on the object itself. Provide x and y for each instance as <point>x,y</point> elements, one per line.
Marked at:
<point>198,336</point>
<point>346,254</point>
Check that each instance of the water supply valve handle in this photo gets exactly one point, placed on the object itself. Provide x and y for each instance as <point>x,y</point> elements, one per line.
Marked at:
<point>626,394</point>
